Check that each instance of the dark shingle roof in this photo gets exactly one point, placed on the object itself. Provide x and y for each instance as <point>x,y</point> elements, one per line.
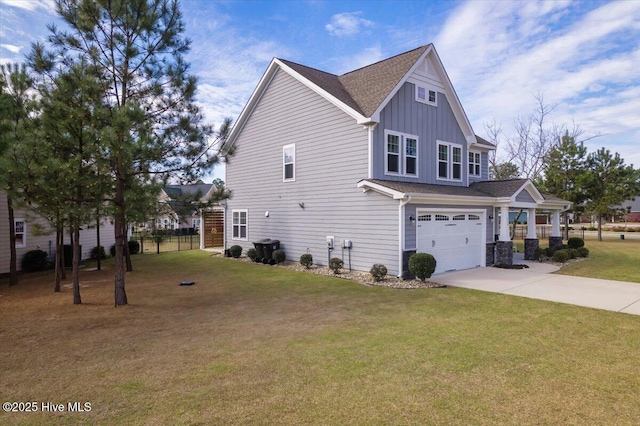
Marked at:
<point>489,189</point>
<point>176,190</point>
<point>482,141</point>
<point>499,188</point>
<point>363,89</point>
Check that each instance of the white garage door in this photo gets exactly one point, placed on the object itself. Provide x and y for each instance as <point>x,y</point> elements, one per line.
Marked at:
<point>455,239</point>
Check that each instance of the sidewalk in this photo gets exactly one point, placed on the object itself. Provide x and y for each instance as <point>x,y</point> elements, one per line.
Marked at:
<point>538,282</point>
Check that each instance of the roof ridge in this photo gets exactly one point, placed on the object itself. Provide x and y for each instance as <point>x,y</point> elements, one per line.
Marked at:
<point>306,66</point>
<point>386,59</point>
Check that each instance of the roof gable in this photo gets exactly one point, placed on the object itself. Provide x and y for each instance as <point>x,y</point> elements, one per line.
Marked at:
<point>364,92</point>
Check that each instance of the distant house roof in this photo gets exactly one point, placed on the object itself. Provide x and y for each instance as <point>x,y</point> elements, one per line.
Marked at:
<point>177,190</point>
<point>482,141</point>
<point>633,205</point>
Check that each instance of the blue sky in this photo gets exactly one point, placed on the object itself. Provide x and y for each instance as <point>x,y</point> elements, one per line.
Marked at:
<point>583,56</point>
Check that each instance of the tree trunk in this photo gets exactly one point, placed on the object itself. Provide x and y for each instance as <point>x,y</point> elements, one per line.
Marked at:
<point>515,224</point>
<point>13,263</point>
<point>76,265</point>
<point>119,230</point>
<point>59,259</point>
<point>566,226</point>
<point>599,227</point>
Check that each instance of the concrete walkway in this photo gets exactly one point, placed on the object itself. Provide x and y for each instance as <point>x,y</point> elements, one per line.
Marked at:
<point>538,282</point>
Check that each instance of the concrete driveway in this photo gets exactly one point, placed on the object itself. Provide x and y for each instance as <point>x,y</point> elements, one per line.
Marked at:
<point>538,282</point>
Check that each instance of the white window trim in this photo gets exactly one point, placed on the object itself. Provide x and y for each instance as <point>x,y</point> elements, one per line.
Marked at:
<point>246,225</point>
<point>24,231</point>
<point>284,148</point>
<point>474,163</point>
<point>450,146</point>
<point>402,154</point>
<point>427,89</point>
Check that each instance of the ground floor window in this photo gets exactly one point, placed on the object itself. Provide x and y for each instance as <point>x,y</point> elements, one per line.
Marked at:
<point>240,224</point>
<point>20,229</point>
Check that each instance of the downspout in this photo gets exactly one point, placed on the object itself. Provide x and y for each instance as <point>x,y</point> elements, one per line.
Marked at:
<point>370,158</point>
<point>401,227</point>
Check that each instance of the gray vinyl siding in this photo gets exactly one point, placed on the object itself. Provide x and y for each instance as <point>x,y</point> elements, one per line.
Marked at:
<point>403,114</point>
<point>410,229</point>
<point>331,157</point>
<point>484,169</point>
<point>524,197</point>
<point>45,242</point>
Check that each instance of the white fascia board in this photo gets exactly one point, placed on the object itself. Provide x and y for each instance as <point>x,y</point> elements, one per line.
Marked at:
<point>555,205</point>
<point>366,186</point>
<point>460,200</point>
<point>480,147</point>
<point>531,189</point>
<point>360,119</point>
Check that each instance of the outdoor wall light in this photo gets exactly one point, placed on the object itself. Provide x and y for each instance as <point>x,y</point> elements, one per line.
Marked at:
<point>266,214</point>
<point>412,219</point>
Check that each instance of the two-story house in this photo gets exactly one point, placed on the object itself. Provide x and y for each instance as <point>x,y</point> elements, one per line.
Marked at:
<point>371,166</point>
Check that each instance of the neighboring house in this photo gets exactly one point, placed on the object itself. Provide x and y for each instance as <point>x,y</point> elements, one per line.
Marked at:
<point>33,232</point>
<point>382,158</point>
<point>632,209</point>
<point>176,211</point>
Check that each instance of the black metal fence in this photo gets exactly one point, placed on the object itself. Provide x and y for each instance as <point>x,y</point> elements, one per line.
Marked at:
<point>156,244</point>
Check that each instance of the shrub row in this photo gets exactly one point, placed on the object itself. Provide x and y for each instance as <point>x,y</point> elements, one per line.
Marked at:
<point>278,256</point>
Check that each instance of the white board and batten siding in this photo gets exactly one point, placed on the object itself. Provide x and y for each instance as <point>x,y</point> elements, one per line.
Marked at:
<point>45,242</point>
<point>331,157</point>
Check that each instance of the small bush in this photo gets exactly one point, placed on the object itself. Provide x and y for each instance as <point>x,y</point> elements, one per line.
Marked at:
<point>549,251</point>
<point>112,250</point>
<point>97,252</point>
<point>306,260</point>
<point>134,247</point>
<point>34,260</point>
<point>422,265</point>
<point>279,256</point>
<point>335,265</point>
<point>591,228</point>
<point>235,251</point>
<point>583,252</point>
<point>378,272</point>
<point>252,254</point>
<point>539,255</point>
<point>560,256</point>
<point>573,253</point>
<point>575,242</point>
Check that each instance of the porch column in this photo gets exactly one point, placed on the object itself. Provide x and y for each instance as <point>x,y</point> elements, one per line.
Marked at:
<point>555,238</point>
<point>504,246</point>
<point>531,243</point>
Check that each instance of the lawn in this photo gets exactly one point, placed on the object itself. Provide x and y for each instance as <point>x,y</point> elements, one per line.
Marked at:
<point>257,344</point>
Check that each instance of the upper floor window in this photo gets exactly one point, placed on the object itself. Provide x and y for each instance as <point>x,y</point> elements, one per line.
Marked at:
<point>474,163</point>
<point>426,95</point>
<point>401,154</point>
<point>289,163</point>
<point>20,229</point>
<point>240,225</point>
<point>449,161</point>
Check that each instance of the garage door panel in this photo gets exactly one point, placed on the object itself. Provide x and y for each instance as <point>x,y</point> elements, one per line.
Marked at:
<point>453,238</point>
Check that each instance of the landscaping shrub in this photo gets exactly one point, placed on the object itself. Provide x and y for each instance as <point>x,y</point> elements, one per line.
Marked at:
<point>573,253</point>
<point>235,251</point>
<point>549,251</point>
<point>34,260</point>
<point>98,252</point>
<point>539,255</point>
<point>335,265</point>
<point>583,252</point>
<point>575,242</point>
<point>306,260</point>
<point>560,256</point>
<point>252,254</point>
<point>378,272</point>
<point>279,256</point>
<point>422,265</point>
<point>112,250</point>
<point>134,247</point>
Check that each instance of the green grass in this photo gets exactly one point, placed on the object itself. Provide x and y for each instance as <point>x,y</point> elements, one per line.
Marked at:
<point>609,259</point>
<point>257,344</point>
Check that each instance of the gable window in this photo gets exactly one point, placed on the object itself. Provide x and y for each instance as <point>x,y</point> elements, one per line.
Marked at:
<point>449,161</point>
<point>426,95</point>
<point>20,229</point>
<point>239,224</point>
<point>474,163</point>
<point>401,154</point>
<point>289,163</point>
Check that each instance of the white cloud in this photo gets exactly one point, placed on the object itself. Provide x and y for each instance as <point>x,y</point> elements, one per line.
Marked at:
<point>11,48</point>
<point>347,23</point>
<point>500,54</point>
<point>31,5</point>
